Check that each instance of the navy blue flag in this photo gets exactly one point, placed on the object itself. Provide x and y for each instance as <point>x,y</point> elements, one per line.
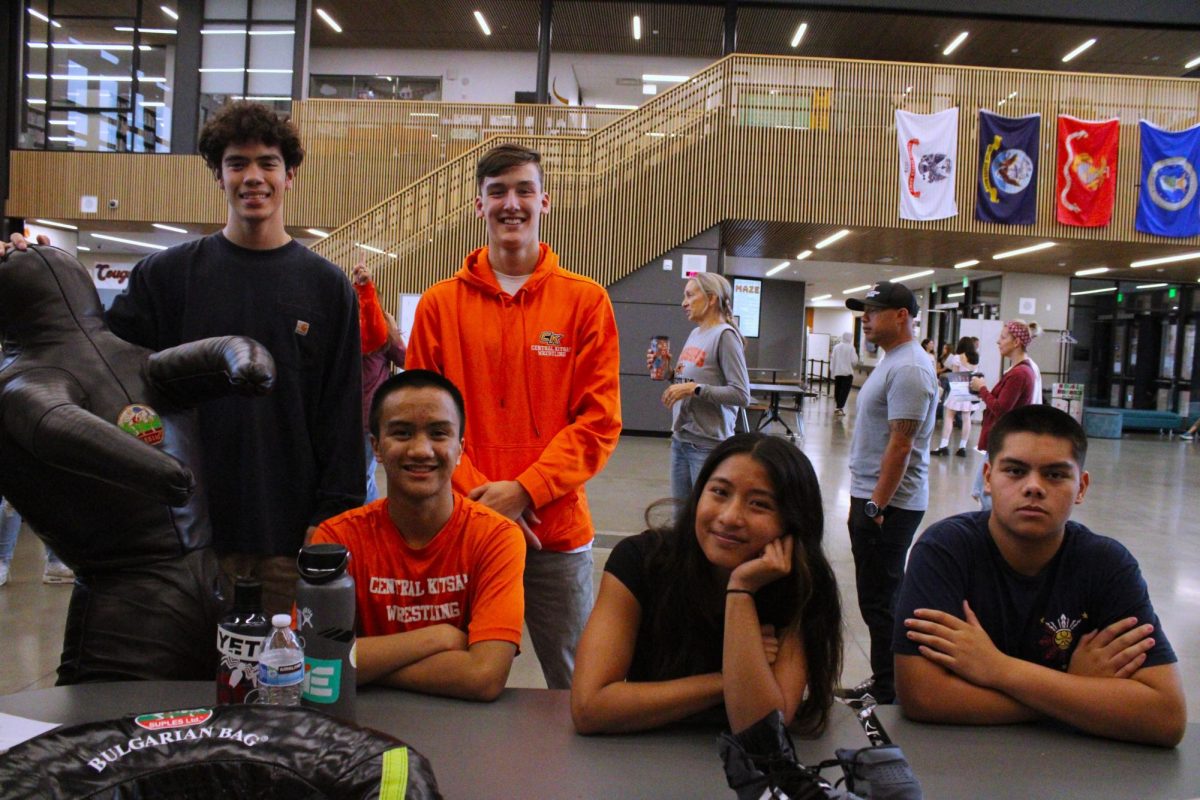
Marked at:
<point>1008,161</point>
<point>1167,204</point>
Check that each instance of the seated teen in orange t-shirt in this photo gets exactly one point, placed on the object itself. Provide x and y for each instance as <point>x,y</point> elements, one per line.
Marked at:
<point>438,577</point>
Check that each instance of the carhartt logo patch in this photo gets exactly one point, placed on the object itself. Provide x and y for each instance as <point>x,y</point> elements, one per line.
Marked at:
<point>301,327</point>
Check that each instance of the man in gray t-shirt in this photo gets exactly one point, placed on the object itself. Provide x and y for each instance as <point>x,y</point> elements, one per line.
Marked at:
<point>889,464</point>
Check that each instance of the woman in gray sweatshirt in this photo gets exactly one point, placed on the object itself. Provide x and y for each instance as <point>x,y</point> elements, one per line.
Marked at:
<point>711,381</point>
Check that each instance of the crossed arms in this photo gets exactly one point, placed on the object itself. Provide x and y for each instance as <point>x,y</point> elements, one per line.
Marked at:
<point>436,660</point>
<point>961,677</point>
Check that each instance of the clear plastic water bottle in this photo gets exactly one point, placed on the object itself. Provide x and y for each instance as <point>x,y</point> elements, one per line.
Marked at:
<point>281,665</point>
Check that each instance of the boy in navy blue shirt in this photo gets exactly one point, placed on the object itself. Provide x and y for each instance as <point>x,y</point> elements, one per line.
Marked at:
<point>1020,614</point>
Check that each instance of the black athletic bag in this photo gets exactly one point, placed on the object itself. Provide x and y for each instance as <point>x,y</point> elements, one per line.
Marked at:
<point>233,752</point>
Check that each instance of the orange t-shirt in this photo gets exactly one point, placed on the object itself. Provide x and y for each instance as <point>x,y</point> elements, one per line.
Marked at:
<point>469,575</point>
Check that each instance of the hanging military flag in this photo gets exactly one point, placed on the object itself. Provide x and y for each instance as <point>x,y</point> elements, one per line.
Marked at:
<point>1008,160</point>
<point>1087,171</point>
<point>928,156</point>
<point>1167,204</point>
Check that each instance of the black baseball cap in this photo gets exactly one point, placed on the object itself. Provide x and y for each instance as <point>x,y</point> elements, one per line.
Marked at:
<point>886,294</point>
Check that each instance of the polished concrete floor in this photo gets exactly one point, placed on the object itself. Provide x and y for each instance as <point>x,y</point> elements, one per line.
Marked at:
<point>1139,494</point>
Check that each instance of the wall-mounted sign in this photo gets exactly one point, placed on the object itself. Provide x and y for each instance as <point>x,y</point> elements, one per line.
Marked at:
<point>747,304</point>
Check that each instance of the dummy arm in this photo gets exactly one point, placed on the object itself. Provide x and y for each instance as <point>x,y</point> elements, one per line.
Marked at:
<point>209,368</point>
<point>41,410</point>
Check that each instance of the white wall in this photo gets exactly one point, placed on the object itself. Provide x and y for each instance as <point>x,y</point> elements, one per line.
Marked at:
<point>833,321</point>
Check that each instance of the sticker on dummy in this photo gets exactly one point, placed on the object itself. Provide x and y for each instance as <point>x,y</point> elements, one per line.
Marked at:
<point>185,718</point>
<point>550,344</point>
<point>302,327</point>
<point>143,422</point>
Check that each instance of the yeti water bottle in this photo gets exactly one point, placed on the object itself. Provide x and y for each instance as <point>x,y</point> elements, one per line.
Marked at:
<point>325,622</point>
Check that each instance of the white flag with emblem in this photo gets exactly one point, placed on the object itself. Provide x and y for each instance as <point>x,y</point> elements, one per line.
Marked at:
<point>928,164</point>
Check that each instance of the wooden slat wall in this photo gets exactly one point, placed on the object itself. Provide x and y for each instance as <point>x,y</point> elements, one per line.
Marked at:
<point>360,152</point>
<point>757,137</point>
<point>357,154</point>
<point>751,137</point>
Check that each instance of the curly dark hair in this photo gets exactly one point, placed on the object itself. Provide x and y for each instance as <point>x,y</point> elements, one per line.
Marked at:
<point>242,121</point>
<point>687,615</point>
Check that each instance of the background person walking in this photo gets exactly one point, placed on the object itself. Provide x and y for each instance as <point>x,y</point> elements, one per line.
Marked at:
<point>713,381</point>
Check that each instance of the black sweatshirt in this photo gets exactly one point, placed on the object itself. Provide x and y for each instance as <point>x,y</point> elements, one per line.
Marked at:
<point>273,465</point>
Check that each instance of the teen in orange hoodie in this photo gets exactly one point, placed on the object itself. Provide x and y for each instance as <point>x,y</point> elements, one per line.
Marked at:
<point>534,349</point>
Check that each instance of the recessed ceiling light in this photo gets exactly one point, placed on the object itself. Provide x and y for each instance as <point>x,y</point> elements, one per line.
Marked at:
<point>803,255</point>
<point>799,34</point>
<point>950,48</point>
<point>922,274</point>
<point>127,29</point>
<point>1094,291</point>
<point>1091,271</point>
<point>1195,62</point>
<point>1033,248</point>
<point>822,297</point>
<point>54,224</point>
<point>637,26</point>
<point>84,249</point>
<point>331,22</point>
<point>664,78</point>
<point>615,106</point>
<point>483,25</point>
<point>1150,262</point>
<point>162,227</point>
<point>1151,286</point>
<point>831,239</point>
<point>1078,50</point>
<point>858,289</point>
<point>44,18</point>
<point>968,263</point>
<point>317,232</point>
<point>170,12</point>
<point>649,88</point>
<point>956,294</point>
<point>778,267</point>
<point>133,242</point>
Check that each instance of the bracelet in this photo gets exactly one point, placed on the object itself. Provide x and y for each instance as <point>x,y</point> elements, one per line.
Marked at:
<point>739,591</point>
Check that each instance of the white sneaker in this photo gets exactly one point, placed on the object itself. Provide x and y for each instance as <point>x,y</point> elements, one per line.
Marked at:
<point>57,572</point>
<point>3,572</point>
<point>1187,437</point>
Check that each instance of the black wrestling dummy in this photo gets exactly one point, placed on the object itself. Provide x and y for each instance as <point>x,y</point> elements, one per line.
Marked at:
<point>97,453</point>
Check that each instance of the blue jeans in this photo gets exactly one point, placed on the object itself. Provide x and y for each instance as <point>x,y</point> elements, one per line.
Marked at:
<point>686,461</point>
<point>372,489</point>
<point>10,526</point>
<point>985,500</point>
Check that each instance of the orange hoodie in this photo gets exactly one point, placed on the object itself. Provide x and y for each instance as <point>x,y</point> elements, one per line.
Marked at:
<point>539,373</point>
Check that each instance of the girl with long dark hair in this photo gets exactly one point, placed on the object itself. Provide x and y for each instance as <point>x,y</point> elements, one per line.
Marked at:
<point>736,604</point>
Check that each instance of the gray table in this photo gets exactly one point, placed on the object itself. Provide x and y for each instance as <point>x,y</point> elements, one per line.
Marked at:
<point>1021,762</point>
<point>523,746</point>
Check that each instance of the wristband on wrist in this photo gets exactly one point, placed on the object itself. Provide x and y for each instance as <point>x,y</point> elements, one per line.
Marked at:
<point>739,591</point>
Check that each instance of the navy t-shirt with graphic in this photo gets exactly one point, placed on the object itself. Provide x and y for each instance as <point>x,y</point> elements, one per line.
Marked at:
<point>1090,583</point>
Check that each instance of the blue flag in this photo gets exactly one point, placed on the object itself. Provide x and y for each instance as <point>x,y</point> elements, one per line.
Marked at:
<point>1167,203</point>
<point>1008,161</point>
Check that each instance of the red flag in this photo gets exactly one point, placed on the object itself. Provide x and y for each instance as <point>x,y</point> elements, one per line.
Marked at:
<point>1087,171</point>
